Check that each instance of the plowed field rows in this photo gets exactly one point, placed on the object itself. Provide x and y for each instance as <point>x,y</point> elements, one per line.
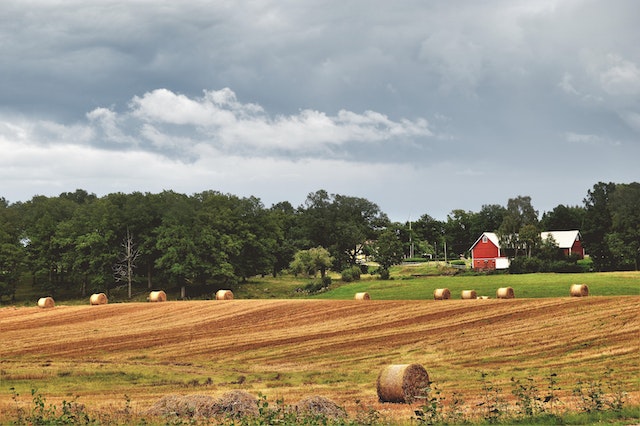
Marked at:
<point>296,348</point>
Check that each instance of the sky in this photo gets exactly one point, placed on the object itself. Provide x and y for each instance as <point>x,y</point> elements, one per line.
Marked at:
<point>421,107</point>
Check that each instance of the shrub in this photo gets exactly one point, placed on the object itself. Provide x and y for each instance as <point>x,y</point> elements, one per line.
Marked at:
<point>384,273</point>
<point>318,285</point>
<point>351,274</point>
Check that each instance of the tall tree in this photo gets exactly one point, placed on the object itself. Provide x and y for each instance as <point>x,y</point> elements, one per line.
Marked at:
<point>563,218</point>
<point>458,231</point>
<point>340,223</point>
<point>520,212</point>
<point>597,225</point>
<point>285,219</point>
<point>488,219</point>
<point>11,250</point>
<point>624,239</point>
<point>388,250</point>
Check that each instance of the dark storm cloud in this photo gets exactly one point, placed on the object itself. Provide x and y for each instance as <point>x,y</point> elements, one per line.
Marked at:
<point>490,99</point>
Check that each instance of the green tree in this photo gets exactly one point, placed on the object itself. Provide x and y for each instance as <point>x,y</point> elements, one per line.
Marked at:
<point>519,213</point>
<point>563,218</point>
<point>624,239</point>
<point>285,219</point>
<point>310,261</point>
<point>11,250</point>
<point>488,219</point>
<point>529,237</point>
<point>597,224</point>
<point>41,217</point>
<point>428,231</point>
<point>340,223</point>
<point>458,231</point>
<point>388,250</point>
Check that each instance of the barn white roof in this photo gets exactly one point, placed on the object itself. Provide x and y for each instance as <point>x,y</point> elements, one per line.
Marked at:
<point>564,239</point>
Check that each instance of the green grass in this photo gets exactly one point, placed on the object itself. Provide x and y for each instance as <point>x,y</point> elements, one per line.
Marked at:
<point>411,281</point>
<point>403,286</point>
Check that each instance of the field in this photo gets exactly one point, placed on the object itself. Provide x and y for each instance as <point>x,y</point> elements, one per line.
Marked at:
<point>134,353</point>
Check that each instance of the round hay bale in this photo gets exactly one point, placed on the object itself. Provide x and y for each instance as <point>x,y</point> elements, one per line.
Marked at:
<point>483,297</point>
<point>157,296</point>
<point>468,295</point>
<point>319,406</point>
<point>402,383</point>
<point>362,296</point>
<point>505,293</point>
<point>579,290</point>
<point>98,299</point>
<point>224,295</point>
<point>46,302</point>
<point>441,294</point>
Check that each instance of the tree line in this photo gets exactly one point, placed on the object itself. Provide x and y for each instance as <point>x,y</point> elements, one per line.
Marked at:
<point>83,243</point>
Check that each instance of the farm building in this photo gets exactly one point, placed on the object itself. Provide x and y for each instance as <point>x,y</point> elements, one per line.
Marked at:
<point>570,242</point>
<point>487,253</point>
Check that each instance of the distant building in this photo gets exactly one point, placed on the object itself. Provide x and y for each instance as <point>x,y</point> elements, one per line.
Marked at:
<point>487,254</point>
<point>570,242</point>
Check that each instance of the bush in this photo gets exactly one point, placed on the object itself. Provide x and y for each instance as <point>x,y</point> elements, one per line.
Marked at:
<point>564,266</point>
<point>384,274</point>
<point>318,285</point>
<point>586,265</point>
<point>351,274</point>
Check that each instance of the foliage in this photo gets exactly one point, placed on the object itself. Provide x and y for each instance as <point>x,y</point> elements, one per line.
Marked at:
<point>388,251</point>
<point>311,261</point>
<point>69,244</point>
<point>351,274</point>
<point>611,228</point>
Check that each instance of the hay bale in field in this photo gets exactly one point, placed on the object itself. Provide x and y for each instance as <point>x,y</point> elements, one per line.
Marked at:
<point>362,296</point>
<point>468,294</point>
<point>236,404</point>
<point>579,290</point>
<point>157,296</point>
<point>224,295</point>
<point>441,294</point>
<point>402,383</point>
<point>183,406</point>
<point>46,302</point>
<point>505,293</point>
<point>319,406</point>
<point>98,299</point>
<point>483,297</point>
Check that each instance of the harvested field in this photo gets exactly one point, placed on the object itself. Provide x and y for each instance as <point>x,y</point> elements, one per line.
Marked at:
<point>294,349</point>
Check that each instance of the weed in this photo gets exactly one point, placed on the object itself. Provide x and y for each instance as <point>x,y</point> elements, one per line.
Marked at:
<point>528,401</point>
<point>492,402</point>
<point>20,414</point>
<point>595,397</point>
<point>431,411</point>
<point>366,415</point>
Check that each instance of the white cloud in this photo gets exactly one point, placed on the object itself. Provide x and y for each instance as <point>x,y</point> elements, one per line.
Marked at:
<point>219,118</point>
<point>620,76</point>
<point>590,139</point>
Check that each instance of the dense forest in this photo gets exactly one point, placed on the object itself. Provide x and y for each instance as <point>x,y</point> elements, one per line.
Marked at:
<point>84,243</point>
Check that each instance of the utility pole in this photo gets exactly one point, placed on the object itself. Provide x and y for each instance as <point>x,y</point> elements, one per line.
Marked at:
<point>410,240</point>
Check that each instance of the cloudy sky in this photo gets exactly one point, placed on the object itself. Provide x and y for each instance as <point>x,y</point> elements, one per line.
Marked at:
<point>420,106</point>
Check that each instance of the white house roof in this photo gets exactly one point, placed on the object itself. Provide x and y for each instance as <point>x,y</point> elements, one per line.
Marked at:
<point>564,239</point>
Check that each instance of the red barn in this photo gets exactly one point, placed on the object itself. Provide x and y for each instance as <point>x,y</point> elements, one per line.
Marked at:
<point>570,242</point>
<point>486,253</point>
